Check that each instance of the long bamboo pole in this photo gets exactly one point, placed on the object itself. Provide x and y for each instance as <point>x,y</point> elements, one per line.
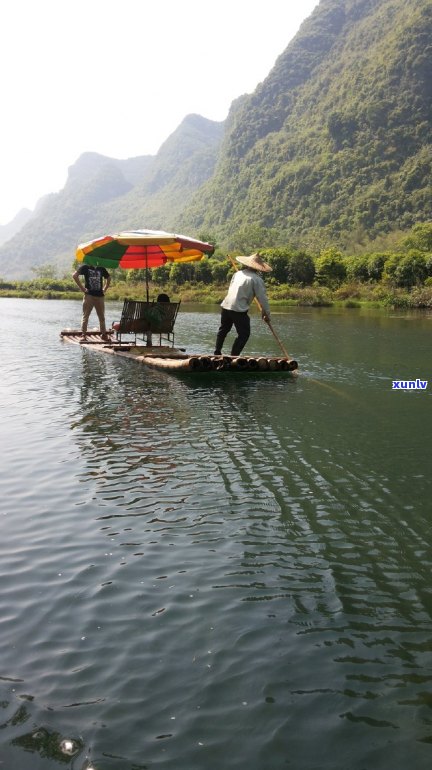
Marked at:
<point>268,322</point>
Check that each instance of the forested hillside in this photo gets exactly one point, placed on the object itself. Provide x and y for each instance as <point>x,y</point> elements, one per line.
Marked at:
<point>333,148</point>
<point>337,140</point>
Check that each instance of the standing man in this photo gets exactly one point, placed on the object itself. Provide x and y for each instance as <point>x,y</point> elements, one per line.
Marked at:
<point>245,285</point>
<point>96,280</point>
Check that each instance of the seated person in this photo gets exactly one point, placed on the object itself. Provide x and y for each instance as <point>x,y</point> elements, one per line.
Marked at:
<point>161,298</point>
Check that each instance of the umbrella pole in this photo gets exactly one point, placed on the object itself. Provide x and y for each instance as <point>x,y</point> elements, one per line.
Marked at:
<point>284,351</point>
<point>147,278</point>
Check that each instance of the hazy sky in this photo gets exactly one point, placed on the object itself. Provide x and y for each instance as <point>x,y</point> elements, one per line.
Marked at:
<point>118,76</point>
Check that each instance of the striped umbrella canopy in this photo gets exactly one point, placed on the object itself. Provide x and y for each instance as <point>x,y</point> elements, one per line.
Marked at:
<point>142,249</point>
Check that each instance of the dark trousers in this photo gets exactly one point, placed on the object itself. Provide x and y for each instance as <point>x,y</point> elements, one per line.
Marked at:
<point>241,321</point>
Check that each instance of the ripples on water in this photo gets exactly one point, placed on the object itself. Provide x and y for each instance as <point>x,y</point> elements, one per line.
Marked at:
<point>206,573</point>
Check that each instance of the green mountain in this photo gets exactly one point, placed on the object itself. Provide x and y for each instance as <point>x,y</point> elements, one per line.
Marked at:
<point>184,162</point>
<point>333,146</point>
<point>105,195</point>
<point>60,218</point>
<point>337,140</point>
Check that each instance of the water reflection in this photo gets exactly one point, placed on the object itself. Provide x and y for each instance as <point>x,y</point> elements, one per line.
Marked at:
<point>124,430</point>
<point>208,572</point>
<point>49,745</point>
<point>157,433</point>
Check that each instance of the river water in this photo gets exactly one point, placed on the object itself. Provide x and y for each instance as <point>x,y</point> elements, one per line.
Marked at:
<point>216,571</point>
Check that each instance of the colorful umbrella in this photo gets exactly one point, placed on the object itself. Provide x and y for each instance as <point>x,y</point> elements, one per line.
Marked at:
<point>141,249</point>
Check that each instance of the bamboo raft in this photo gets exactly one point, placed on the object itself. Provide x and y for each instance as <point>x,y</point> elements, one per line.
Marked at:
<point>176,360</point>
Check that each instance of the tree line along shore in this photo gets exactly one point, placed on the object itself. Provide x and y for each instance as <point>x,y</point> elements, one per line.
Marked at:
<point>398,277</point>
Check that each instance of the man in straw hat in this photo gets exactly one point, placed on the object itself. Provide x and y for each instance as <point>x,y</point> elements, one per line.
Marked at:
<point>245,285</point>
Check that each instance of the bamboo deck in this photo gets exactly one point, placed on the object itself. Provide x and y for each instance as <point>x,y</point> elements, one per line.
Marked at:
<point>178,361</point>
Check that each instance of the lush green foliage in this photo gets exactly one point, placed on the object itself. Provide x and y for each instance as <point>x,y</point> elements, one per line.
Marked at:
<point>290,266</point>
<point>330,268</point>
<point>336,143</point>
<point>400,278</point>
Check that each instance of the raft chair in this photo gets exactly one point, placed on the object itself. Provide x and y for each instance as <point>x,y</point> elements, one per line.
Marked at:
<point>133,320</point>
<point>147,319</point>
<point>164,317</point>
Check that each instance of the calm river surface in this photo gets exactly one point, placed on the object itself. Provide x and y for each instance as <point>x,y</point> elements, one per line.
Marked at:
<point>218,572</point>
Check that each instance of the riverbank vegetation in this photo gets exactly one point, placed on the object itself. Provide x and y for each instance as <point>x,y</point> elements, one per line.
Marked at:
<point>400,276</point>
